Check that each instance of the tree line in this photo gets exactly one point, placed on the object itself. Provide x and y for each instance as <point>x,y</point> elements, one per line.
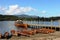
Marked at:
<point>13,18</point>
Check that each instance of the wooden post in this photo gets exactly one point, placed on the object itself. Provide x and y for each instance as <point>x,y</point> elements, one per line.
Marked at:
<point>43,22</point>
<point>31,22</point>
<point>55,28</point>
<point>51,24</point>
<point>48,27</point>
<point>59,24</point>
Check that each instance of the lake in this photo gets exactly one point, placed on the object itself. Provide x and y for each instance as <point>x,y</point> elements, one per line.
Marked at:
<point>6,26</point>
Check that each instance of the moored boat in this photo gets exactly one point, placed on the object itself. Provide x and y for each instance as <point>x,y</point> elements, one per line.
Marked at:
<point>20,24</point>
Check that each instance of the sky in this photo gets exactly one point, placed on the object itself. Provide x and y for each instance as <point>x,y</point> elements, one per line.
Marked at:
<point>42,8</point>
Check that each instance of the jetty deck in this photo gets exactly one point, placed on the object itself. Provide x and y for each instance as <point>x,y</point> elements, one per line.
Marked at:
<point>36,26</point>
<point>51,26</point>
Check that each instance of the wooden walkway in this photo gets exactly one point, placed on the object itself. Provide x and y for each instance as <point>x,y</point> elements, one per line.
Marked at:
<point>44,26</point>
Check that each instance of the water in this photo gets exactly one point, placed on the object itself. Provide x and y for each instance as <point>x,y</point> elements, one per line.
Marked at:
<point>6,26</point>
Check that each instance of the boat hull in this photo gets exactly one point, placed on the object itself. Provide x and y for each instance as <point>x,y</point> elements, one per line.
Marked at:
<point>21,25</point>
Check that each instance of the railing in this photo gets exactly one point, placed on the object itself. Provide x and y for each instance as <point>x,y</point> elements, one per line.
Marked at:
<point>42,24</point>
<point>45,23</point>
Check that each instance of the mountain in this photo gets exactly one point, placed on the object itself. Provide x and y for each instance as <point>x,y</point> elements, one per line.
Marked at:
<point>27,16</point>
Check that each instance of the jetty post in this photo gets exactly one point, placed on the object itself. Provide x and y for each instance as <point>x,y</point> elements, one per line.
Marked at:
<point>38,21</point>
<point>51,23</point>
<point>44,22</point>
<point>59,24</point>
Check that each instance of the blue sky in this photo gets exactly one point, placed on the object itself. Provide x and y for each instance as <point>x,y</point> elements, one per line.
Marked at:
<point>42,8</point>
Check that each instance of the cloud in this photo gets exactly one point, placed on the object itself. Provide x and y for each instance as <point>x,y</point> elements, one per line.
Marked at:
<point>43,11</point>
<point>16,9</point>
<point>2,10</point>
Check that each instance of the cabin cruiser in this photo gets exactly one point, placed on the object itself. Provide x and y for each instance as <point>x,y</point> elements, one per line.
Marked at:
<point>19,23</point>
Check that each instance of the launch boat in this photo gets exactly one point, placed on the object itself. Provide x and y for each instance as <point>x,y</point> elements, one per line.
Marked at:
<point>19,23</point>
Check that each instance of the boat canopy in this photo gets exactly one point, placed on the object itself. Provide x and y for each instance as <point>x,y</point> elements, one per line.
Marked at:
<point>19,22</point>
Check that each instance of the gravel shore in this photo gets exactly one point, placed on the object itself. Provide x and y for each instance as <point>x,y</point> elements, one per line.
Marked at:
<point>51,36</point>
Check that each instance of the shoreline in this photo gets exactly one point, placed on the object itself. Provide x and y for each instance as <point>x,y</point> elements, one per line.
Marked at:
<point>51,36</point>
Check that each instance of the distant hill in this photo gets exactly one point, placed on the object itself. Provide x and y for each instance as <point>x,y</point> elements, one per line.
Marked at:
<point>26,16</point>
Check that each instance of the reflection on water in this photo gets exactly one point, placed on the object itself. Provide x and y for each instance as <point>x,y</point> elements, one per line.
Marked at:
<point>9,25</point>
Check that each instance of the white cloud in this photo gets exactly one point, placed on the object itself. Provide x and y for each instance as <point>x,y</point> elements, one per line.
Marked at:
<point>43,11</point>
<point>12,9</point>
<point>16,9</point>
<point>2,8</point>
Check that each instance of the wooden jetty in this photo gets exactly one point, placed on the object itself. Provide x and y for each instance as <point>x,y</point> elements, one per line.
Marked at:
<point>36,26</point>
<point>51,26</point>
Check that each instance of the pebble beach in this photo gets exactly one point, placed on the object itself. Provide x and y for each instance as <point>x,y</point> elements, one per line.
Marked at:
<point>40,36</point>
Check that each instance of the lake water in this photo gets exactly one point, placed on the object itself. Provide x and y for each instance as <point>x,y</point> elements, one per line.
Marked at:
<point>6,26</point>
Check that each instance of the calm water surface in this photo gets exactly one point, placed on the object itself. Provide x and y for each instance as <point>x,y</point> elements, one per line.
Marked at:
<point>6,26</point>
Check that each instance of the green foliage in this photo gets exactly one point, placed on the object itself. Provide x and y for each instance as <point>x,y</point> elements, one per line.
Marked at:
<point>8,18</point>
<point>13,18</point>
